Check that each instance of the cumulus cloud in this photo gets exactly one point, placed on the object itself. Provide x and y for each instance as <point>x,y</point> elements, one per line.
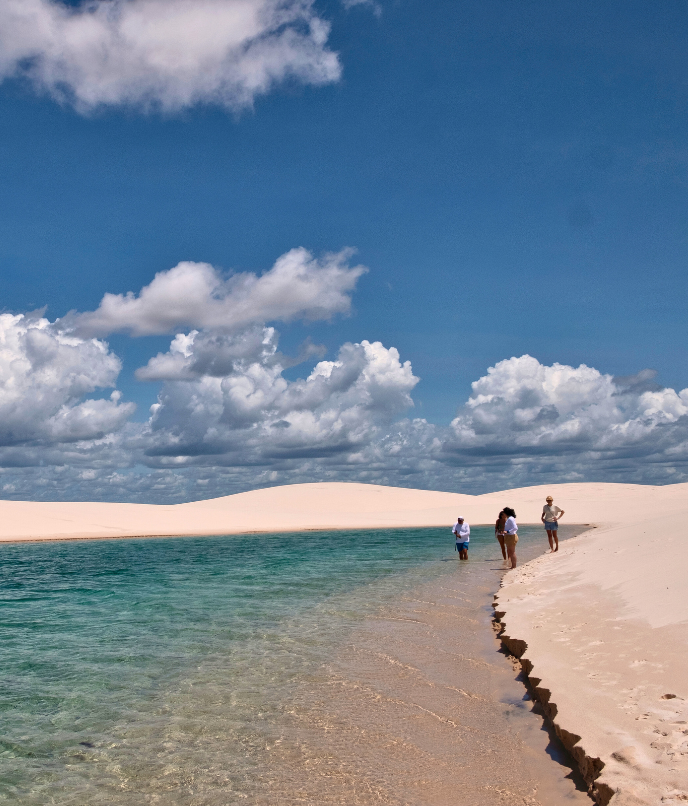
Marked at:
<point>195,295</point>
<point>229,419</point>
<point>44,376</point>
<point>523,408</point>
<point>196,354</point>
<point>253,415</point>
<point>166,54</point>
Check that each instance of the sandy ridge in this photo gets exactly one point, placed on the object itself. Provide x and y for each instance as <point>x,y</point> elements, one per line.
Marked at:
<point>297,507</point>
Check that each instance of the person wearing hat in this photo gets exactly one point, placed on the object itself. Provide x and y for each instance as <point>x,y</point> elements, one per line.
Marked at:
<point>462,532</point>
<point>550,517</point>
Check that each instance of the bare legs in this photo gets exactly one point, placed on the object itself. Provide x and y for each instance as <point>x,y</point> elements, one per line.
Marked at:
<point>510,541</point>
<point>501,544</point>
<point>553,539</point>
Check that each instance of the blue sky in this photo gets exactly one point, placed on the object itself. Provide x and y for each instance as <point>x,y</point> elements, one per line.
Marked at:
<point>512,175</point>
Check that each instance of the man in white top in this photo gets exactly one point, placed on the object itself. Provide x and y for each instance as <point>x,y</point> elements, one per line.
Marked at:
<point>550,517</point>
<point>462,532</point>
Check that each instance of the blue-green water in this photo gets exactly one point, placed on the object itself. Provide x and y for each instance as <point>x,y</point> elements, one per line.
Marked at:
<point>163,670</point>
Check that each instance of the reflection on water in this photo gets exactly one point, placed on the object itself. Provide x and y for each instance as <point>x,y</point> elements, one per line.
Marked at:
<point>313,668</point>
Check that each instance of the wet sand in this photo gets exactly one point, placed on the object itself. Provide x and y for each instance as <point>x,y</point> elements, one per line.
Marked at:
<point>422,707</point>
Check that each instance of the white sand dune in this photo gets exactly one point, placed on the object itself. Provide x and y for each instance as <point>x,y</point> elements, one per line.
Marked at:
<point>317,506</point>
<point>602,626</point>
<point>291,508</point>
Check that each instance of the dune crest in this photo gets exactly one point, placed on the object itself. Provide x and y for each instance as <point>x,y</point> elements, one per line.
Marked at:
<point>327,505</point>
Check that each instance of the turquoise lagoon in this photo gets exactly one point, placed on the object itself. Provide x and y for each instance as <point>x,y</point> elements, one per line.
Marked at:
<point>172,670</point>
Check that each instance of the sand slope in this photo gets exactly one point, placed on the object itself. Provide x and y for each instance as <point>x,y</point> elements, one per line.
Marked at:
<point>602,629</point>
<point>325,506</point>
<point>290,508</point>
<point>602,626</point>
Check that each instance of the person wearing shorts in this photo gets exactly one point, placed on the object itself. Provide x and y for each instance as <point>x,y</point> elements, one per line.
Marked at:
<point>550,517</point>
<point>510,534</point>
<point>462,533</point>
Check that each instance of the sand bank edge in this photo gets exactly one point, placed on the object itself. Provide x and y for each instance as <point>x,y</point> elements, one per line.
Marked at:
<point>589,766</point>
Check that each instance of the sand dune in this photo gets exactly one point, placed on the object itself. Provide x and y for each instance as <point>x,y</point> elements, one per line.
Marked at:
<point>291,508</point>
<point>602,626</point>
<point>328,506</point>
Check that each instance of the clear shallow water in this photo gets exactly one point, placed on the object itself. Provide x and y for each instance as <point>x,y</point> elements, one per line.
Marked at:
<point>197,670</point>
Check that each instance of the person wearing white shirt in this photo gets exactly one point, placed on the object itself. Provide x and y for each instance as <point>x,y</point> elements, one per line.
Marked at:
<point>550,517</point>
<point>510,534</point>
<point>462,533</point>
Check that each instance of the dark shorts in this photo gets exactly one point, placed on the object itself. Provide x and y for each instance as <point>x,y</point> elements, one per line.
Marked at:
<point>462,546</point>
<point>551,526</point>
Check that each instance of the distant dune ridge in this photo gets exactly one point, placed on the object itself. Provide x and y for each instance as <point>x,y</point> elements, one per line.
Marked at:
<point>327,505</point>
<point>601,627</point>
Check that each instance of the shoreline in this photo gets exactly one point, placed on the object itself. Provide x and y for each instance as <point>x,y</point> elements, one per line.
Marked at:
<point>600,628</point>
<point>455,692</point>
<point>603,642</point>
<point>227,533</point>
<point>589,768</point>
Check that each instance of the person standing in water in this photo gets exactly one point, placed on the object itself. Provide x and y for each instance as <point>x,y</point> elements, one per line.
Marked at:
<point>499,532</point>
<point>510,534</point>
<point>462,532</point>
<point>550,517</point>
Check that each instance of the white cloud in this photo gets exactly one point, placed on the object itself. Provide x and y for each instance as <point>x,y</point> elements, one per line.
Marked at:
<point>523,408</point>
<point>44,376</point>
<point>253,415</point>
<point>372,4</point>
<point>196,354</point>
<point>195,295</point>
<point>229,419</point>
<point>167,54</point>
